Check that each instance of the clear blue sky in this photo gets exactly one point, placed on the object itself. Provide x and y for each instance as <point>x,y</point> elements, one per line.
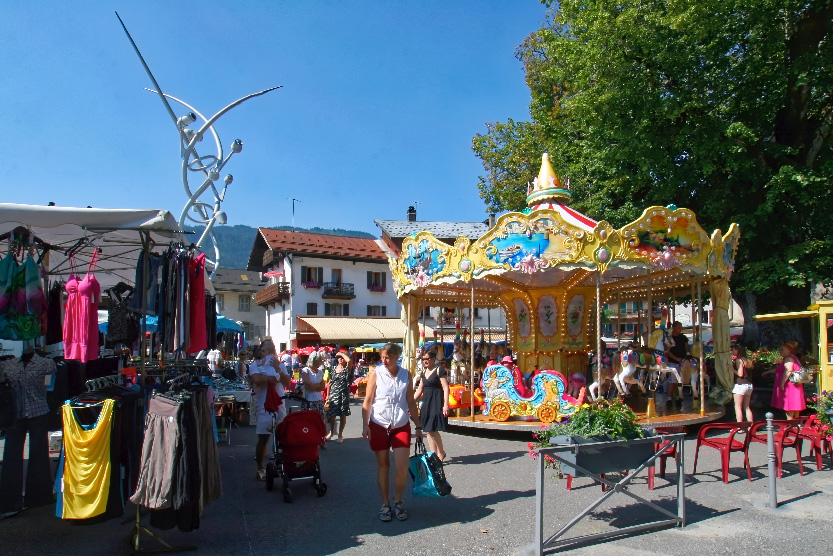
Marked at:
<point>379,104</point>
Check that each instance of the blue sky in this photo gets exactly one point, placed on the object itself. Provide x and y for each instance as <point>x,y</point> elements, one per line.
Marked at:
<point>379,104</point>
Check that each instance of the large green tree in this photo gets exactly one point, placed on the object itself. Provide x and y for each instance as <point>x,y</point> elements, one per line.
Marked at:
<point>721,106</point>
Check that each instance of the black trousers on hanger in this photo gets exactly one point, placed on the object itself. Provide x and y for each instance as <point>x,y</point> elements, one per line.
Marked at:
<point>39,480</point>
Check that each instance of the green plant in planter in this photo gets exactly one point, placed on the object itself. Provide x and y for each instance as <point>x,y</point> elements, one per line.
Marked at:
<point>600,420</point>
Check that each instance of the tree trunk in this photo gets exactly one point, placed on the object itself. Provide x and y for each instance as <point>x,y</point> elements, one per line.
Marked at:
<point>774,333</point>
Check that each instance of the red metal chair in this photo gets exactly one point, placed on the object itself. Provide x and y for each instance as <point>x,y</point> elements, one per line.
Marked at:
<point>669,453</point>
<point>786,436</point>
<point>819,443</point>
<point>725,444</point>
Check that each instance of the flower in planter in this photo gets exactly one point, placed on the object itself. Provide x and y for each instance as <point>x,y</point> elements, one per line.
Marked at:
<point>608,420</point>
<point>823,404</point>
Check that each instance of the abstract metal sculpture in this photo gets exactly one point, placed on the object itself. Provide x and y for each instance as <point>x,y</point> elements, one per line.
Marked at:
<point>210,166</point>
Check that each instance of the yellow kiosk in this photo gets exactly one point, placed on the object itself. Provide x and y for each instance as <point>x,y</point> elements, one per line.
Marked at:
<point>822,337</point>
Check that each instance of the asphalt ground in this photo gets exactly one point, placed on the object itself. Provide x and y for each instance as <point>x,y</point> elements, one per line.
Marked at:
<point>490,511</point>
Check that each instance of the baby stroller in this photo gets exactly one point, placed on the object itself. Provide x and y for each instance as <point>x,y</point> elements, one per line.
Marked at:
<point>295,443</point>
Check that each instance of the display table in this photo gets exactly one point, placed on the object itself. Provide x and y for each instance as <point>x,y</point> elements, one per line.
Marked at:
<point>240,396</point>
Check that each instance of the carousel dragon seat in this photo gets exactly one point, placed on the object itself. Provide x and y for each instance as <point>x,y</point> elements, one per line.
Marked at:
<point>548,402</point>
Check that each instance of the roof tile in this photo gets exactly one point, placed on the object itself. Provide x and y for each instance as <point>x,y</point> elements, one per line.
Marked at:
<point>323,244</point>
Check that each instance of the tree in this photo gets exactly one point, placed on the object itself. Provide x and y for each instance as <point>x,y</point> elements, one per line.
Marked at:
<point>721,106</point>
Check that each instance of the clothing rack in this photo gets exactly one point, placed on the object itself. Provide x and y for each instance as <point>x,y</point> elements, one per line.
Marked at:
<point>101,382</point>
<point>136,534</point>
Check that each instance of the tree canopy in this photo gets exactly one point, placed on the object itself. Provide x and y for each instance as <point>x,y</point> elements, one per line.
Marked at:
<point>720,106</point>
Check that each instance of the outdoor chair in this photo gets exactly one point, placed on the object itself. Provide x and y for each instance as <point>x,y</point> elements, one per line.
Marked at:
<point>725,443</point>
<point>786,436</point>
<point>818,440</point>
<point>669,453</point>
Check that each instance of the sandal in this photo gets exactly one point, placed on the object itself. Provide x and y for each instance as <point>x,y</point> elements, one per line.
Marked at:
<point>399,510</point>
<point>340,439</point>
<point>384,513</point>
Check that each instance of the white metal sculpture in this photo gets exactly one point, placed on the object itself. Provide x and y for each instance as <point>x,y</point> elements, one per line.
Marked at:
<point>210,166</point>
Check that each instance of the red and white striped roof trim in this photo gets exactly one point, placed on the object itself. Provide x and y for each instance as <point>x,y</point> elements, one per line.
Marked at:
<point>569,215</point>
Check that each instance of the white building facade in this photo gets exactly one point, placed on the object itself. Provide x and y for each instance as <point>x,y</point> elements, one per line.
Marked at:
<point>318,275</point>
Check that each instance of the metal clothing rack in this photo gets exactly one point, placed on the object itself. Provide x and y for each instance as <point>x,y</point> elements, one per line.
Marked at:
<point>135,539</point>
<point>101,382</point>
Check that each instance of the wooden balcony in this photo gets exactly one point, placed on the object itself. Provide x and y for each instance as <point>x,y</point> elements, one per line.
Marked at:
<point>273,293</point>
<point>338,290</point>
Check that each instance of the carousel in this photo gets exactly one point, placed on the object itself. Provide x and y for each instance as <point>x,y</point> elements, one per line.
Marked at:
<point>552,270</point>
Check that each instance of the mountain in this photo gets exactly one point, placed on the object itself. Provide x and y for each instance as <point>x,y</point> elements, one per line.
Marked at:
<point>236,241</point>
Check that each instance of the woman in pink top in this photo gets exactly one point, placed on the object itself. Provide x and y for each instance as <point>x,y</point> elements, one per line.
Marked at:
<point>785,394</point>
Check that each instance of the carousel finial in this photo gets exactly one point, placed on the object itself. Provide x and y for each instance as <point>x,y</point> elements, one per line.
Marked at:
<point>547,187</point>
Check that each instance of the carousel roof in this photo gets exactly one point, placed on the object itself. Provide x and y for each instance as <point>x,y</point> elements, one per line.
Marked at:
<point>550,244</point>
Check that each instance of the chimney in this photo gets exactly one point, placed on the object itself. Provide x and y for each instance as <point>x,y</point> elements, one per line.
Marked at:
<point>411,214</point>
<point>491,220</point>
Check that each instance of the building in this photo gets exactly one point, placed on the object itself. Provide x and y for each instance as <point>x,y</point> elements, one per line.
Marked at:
<point>324,289</point>
<point>445,319</point>
<point>236,291</point>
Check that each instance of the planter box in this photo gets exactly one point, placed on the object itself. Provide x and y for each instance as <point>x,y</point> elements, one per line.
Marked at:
<point>603,455</point>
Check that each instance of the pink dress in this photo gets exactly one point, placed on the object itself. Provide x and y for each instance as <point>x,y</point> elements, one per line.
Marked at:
<point>70,319</point>
<point>81,317</point>
<point>791,398</point>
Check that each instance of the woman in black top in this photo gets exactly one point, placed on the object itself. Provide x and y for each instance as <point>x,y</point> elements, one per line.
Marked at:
<point>433,385</point>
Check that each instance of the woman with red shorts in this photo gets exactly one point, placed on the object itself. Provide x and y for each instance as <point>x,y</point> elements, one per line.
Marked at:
<point>388,405</point>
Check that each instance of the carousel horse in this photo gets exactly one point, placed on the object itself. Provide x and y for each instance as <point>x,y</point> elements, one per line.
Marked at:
<point>629,358</point>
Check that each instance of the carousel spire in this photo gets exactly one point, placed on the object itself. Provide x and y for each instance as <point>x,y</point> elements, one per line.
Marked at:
<point>547,188</point>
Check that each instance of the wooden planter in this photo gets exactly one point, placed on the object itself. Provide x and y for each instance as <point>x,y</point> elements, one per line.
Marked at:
<point>602,454</point>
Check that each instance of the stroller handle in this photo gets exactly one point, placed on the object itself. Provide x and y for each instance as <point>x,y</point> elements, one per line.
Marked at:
<point>304,403</point>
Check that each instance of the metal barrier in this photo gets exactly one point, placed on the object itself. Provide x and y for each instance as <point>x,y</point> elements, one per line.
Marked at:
<point>611,487</point>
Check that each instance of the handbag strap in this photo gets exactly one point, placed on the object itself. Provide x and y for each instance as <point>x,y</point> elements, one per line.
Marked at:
<point>419,448</point>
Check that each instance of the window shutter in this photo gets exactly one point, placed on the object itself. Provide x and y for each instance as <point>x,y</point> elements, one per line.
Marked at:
<point>320,274</point>
<point>346,311</point>
<point>369,279</point>
<point>304,273</point>
<point>369,311</point>
<point>384,279</point>
<point>326,309</point>
<point>384,310</point>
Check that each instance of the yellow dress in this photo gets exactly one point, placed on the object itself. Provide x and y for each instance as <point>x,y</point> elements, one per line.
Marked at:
<point>87,466</point>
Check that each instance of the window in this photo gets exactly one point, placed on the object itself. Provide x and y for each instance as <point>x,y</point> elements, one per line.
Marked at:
<point>336,310</point>
<point>377,311</point>
<point>376,281</point>
<point>426,312</point>
<point>336,275</point>
<point>312,309</point>
<point>221,302</point>
<point>312,276</point>
<point>283,346</point>
<point>244,303</point>
<point>477,312</point>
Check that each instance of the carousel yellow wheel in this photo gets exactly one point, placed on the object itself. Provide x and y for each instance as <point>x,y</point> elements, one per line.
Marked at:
<point>547,413</point>
<point>501,411</point>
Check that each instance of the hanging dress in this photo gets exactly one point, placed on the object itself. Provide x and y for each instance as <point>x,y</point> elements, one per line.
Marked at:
<point>197,340</point>
<point>87,464</point>
<point>8,269</point>
<point>71,319</point>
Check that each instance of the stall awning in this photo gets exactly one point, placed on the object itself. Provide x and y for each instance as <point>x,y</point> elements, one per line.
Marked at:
<point>783,316</point>
<point>355,329</point>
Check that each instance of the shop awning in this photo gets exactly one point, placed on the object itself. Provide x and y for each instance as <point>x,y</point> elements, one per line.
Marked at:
<point>355,329</point>
<point>784,316</point>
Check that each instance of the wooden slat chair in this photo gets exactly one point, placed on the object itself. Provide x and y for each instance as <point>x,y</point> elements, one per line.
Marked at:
<point>725,443</point>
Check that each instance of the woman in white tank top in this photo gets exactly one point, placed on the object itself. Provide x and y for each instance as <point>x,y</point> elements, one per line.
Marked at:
<point>388,404</point>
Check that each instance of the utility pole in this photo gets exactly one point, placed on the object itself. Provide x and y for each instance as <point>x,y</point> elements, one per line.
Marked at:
<point>293,199</point>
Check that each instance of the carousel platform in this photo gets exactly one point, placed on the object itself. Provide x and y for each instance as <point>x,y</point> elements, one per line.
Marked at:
<point>688,414</point>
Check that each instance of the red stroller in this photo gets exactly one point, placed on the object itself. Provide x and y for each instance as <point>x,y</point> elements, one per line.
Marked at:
<point>296,442</point>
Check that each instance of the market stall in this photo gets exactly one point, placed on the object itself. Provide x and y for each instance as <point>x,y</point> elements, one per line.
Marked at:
<point>552,269</point>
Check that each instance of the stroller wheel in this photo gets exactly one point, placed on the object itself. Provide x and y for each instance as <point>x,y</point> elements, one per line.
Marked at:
<point>270,476</point>
<point>287,495</point>
<point>321,489</point>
